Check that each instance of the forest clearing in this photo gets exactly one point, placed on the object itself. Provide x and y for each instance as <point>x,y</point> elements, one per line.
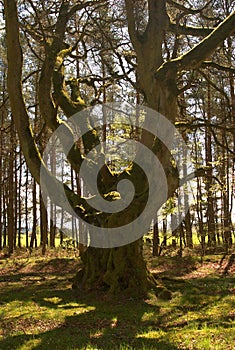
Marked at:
<point>40,310</point>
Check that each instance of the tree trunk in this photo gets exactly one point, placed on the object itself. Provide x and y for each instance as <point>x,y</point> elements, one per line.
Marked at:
<point>115,270</point>
<point>156,240</point>
<point>19,185</point>
<point>1,184</point>
<point>209,177</point>
<point>52,205</point>
<point>5,214</point>
<point>10,207</point>
<point>26,209</point>
<point>188,230</point>
<point>43,225</point>
<point>34,228</point>
<point>16,204</point>
<point>187,219</point>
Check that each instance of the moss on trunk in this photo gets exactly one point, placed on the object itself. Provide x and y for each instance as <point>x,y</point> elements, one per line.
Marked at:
<point>116,270</point>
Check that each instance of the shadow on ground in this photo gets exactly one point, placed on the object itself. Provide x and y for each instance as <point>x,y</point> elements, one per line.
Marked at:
<point>95,322</point>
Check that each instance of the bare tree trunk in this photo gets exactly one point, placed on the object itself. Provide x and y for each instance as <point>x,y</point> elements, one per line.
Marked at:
<point>156,240</point>
<point>1,183</point>
<point>209,178</point>
<point>34,228</point>
<point>19,200</point>
<point>226,219</point>
<point>10,207</point>
<point>217,231</point>
<point>43,225</point>
<point>5,205</point>
<point>26,208</point>
<point>187,219</point>
<point>73,223</point>
<point>232,94</point>
<point>164,230</point>
<point>81,228</point>
<point>15,190</point>
<point>202,234</point>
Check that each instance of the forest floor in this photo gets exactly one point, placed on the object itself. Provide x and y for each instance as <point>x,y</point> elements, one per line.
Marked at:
<point>40,310</point>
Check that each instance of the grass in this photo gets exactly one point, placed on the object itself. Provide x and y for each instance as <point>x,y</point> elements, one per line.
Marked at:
<point>39,310</point>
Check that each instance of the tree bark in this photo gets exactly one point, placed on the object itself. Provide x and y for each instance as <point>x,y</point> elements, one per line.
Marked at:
<point>10,206</point>
<point>115,270</point>
<point>43,225</point>
<point>209,177</point>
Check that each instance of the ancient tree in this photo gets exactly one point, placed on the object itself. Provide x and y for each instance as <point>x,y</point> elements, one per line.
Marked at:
<point>158,66</point>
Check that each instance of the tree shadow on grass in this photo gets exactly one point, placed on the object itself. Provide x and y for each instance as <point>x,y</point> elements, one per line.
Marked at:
<point>94,324</point>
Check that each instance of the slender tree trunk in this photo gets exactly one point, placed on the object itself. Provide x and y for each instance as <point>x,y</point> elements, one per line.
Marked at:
<point>1,183</point>
<point>232,183</point>
<point>73,223</point>
<point>202,235</point>
<point>209,177</point>
<point>52,226</point>
<point>181,230</point>
<point>15,196</point>
<point>19,201</point>
<point>26,208</point>
<point>52,206</point>
<point>188,230</point>
<point>10,207</point>
<point>43,225</point>
<point>5,204</point>
<point>217,231</point>
<point>187,219</point>
<point>164,230</point>
<point>225,198</point>
<point>34,228</point>
<point>156,239</point>
<point>81,232</point>
<point>4,113</point>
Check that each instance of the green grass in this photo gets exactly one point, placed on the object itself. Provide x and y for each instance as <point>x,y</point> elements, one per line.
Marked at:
<point>39,310</point>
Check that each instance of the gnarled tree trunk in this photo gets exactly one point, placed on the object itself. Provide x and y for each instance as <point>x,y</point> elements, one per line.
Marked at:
<point>115,270</point>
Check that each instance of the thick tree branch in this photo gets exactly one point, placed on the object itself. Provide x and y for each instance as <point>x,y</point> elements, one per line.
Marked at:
<point>217,66</point>
<point>20,115</point>
<point>83,5</point>
<point>56,50</point>
<point>52,71</point>
<point>60,94</point>
<point>46,103</point>
<point>70,107</point>
<point>188,10</point>
<point>21,120</point>
<point>158,18</point>
<point>188,30</point>
<point>132,24</point>
<point>194,57</point>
